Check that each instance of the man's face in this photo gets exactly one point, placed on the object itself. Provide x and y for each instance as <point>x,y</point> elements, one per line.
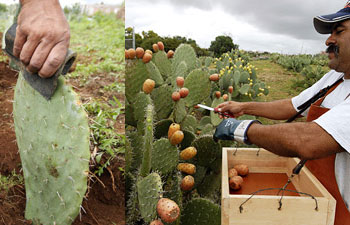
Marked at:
<point>339,60</point>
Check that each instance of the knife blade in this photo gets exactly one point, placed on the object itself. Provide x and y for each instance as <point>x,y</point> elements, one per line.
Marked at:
<point>45,86</point>
<point>224,114</point>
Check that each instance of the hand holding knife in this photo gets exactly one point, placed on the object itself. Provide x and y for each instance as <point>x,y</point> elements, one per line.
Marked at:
<point>216,110</point>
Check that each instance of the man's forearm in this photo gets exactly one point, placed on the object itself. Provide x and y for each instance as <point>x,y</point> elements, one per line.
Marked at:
<point>303,140</point>
<point>277,110</point>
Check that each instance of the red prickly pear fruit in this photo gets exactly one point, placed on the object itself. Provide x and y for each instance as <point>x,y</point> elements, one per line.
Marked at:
<point>176,96</point>
<point>160,45</point>
<point>183,92</point>
<point>230,89</point>
<point>177,137</point>
<point>187,183</point>
<point>139,52</point>
<point>170,54</point>
<point>146,58</point>
<point>180,81</point>
<point>148,86</point>
<point>225,97</point>
<point>214,77</point>
<point>168,210</point>
<point>131,53</point>
<point>173,128</point>
<point>217,94</point>
<point>155,47</point>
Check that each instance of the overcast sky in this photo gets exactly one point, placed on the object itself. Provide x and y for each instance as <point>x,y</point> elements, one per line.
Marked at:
<point>260,25</point>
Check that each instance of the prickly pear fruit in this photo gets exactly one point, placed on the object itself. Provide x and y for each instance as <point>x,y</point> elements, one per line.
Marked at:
<point>176,96</point>
<point>170,54</point>
<point>232,172</point>
<point>160,45</point>
<point>230,89</point>
<point>242,169</point>
<point>187,168</point>
<point>149,51</point>
<point>225,97</point>
<point>180,81</point>
<point>217,94</point>
<point>126,54</point>
<point>187,183</point>
<point>172,129</point>
<point>168,210</point>
<point>139,52</point>
<point>177,137</point>
<point>235,182</point>
<point>188,153</point>
<point>184,92</point>
<point>156,222</point>
<point>214,77</point>
<point>131,53</point>
<point>148,86</point>
<point>155,47</point>
<point>146,57</point>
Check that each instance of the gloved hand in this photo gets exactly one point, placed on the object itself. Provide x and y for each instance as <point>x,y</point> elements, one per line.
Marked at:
<point>232,129</point>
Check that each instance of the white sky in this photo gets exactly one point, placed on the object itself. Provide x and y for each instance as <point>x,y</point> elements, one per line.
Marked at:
<point>269,25</point>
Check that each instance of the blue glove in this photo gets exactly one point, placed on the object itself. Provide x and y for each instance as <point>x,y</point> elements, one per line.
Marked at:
<point>232,129</point>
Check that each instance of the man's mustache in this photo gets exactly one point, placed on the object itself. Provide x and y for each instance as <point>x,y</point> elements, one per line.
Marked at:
<point>333,48</point>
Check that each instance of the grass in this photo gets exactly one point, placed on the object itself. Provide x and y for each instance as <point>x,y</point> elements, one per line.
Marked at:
<point>7,182</point>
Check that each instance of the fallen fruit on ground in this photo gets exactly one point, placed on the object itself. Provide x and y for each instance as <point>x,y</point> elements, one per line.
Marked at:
<point>168,210</point>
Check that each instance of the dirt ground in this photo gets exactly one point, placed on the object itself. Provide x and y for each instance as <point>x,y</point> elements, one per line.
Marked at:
<point>104,204</point>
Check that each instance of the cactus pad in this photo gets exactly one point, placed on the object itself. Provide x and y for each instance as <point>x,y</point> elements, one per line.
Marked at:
<point>201,211</point>
<point>207,150</point>
<point>165,156</point>
<point>53,140</point>
<point>199,85</point>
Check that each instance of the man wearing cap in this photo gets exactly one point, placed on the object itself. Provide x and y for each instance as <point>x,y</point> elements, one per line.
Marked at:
<point>324,140</point>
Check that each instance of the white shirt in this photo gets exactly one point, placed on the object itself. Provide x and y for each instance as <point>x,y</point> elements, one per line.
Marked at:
<point>336,122</point>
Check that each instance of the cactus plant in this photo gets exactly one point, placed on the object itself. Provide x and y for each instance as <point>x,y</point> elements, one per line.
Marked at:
<point>53,140</point>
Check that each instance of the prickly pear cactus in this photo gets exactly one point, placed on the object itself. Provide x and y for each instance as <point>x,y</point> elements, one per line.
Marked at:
<point>201,211</point>
<point>53,140</point>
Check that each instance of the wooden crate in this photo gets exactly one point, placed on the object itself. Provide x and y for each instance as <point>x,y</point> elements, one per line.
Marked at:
<point>263,209</point>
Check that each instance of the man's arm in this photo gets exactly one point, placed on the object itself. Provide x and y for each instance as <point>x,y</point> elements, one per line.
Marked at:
<point>277,110</point>
<point>303,140</point>
<point>42,36</point>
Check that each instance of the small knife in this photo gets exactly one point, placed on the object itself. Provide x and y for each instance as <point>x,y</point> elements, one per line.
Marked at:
<point>216,110</point>
<point>45,86</point>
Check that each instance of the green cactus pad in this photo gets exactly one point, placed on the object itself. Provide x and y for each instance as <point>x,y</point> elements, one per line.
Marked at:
<point>244,77</point>
<point>210,186</point>
<point>53,140</point>
<point>148,140</point>
<point>244,89</point>
<point>215,119</point>
<point>154,73</point>
<point>208,129</point>
<point>162,62</point>
<point>149,191</point>
<point>180,71</point>
<point>189,123</point>
<point>137,145</point>
<point>199,85</point>
<point>180,111</point>
<point>142,100</point>
<point>129,116</point>
<point>236,77</point>
<point>128,155</point>
<point>185,53</point>
<point>135,74</point>
<point>200,211</point>
<point>161,128</point>
<point>188,139</point>
<point>207,150</point>
<point>204,121</point>
<point>201,172</point>
<point>132,210</point>
<point>172,188</point>
<point>165,156</point>
<point>163,103</point>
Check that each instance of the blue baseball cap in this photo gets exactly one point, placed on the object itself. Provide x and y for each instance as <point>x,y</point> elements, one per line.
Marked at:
<point>324,24</point>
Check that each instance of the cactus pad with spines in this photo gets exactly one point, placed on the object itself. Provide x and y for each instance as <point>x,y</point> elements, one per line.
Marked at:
<point>154,73</point>
<point>163,104</point>
<point>215,119</point>
<point>162,62</point>
<point>165,156</point>
<point>142,100</point>
<point>180,111</point>
<point>134,77</point>
<point>189,123</point>
<point>161,128</point>
<point>207,150</point>
<point>53,140</point>
<point>200,211</point>
<point>189,137</point>
<point>199,86</point>
<point>149,191</point>
<point>148,142</point>
<point>184,53</point>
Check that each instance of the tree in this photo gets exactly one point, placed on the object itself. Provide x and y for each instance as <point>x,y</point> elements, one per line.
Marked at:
<point>3,7</point>
<point>221,45</point>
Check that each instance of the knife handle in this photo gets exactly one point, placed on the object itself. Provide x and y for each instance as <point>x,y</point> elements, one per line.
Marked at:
<point>224,114</point>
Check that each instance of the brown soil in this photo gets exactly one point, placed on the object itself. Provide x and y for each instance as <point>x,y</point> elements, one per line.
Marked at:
<point>104,203</point>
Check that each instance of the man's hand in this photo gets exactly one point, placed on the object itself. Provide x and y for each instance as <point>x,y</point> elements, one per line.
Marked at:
<point>42,36</point>
<point>232,129</point>
<point>231,107</point>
